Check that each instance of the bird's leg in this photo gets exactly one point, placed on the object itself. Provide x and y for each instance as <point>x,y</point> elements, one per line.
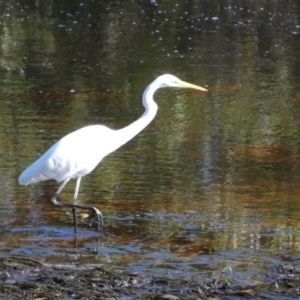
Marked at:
<point>55,202</point>
<point>74,205</point>
<point>99,216</point>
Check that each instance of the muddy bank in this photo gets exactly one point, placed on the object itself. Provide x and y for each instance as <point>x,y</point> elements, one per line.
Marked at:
<point>23,278</point>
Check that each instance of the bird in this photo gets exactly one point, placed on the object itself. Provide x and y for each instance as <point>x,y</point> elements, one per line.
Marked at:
<point>78,153</point>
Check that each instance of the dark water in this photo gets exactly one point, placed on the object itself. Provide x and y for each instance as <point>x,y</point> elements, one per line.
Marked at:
<point>211,183</point>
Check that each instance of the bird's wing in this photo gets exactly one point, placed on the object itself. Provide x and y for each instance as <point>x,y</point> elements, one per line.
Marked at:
<point>75,155</point>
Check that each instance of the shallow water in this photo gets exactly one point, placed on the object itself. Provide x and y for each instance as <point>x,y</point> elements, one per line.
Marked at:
<point>212,183</point>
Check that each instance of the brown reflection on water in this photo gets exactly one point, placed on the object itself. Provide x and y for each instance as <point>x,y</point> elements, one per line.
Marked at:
<point>212,182</point>
<point>174,195</point>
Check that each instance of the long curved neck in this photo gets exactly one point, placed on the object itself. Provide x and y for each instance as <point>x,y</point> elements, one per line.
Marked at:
<point>130,131</point>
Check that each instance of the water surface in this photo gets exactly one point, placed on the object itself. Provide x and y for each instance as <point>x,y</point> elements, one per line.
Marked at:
<point>212,182</point>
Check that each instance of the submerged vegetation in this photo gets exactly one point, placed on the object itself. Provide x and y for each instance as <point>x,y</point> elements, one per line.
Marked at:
<point>23,278</point>
<point>212,183</point>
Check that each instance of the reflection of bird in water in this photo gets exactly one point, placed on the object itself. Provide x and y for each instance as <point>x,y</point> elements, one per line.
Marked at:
<point>78,153</point>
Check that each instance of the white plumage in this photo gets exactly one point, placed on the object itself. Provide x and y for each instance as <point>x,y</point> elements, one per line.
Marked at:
<point>74,156</point>
<point>78,153</point>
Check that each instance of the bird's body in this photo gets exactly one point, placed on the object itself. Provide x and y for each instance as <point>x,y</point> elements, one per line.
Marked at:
<point>78,153</point>
<point>74,156</point>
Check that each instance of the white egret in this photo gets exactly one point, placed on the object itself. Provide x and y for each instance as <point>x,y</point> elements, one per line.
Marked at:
<point>78,153</point>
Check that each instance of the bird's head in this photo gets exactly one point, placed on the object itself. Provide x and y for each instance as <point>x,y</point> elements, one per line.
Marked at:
<point>168,80</point>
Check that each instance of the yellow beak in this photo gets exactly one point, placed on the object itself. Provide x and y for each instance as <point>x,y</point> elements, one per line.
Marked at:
<point>187,85</point>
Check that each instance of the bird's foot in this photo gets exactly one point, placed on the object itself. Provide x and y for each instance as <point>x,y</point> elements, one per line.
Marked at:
<point>97,213</point>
